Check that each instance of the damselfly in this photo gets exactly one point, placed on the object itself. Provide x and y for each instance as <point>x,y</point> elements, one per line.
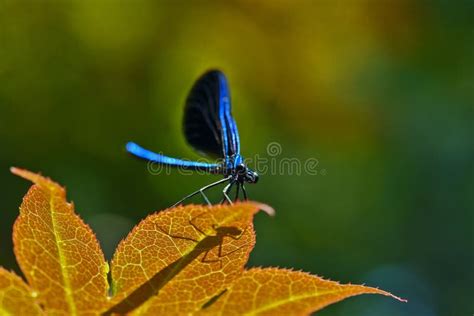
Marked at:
<point>209,128</point>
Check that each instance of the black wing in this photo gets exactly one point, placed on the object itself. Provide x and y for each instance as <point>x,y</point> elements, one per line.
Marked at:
<point>206,125</point>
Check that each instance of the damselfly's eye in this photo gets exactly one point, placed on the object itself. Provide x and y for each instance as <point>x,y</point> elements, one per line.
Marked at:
<point>255,177</point>
<point>251,177</point>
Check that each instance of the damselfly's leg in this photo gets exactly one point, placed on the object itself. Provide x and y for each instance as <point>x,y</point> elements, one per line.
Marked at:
<point>237,192</point>
<point>201,191</point>
<point>245,192</point>
<point>226,191</point>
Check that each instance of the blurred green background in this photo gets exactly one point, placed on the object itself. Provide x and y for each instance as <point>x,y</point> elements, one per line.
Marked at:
<point>380,92</point>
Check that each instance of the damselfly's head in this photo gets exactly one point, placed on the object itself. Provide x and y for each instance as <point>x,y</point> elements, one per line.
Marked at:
<point>245,174</point>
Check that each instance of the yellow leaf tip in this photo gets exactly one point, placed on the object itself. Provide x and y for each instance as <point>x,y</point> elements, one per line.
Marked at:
<point>15,170</point>
<point>36,178</point>
<point>263,207</point>
<point>25,174</point>
<point>403,300</point>
<point>267,209</point>
<point>375,290</point>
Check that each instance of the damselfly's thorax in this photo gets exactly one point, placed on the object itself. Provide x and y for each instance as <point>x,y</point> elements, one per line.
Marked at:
<point>236,167</point>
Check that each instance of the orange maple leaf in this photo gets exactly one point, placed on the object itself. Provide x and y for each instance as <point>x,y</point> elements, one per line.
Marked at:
<point>187,255</point>
<point>188,260</point>
<point>272,291</point>
<point>58,253</point>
